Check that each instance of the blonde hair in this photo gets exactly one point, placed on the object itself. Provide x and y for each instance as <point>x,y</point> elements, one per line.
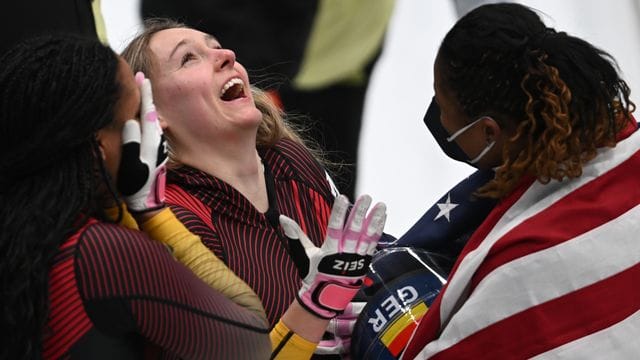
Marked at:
<point>273,127</point>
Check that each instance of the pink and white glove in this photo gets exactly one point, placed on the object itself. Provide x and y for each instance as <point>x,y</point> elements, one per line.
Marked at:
<point>340,328</point>
<point>332,274</point>
<point>142,171</point>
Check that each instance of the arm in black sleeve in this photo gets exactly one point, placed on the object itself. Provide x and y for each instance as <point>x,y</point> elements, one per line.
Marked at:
<point>130,283</point>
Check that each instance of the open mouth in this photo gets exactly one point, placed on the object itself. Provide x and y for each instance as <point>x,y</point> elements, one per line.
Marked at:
<point>232,90</point>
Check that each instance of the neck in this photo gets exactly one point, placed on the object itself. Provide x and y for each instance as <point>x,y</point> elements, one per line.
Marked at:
<point>237,164</point>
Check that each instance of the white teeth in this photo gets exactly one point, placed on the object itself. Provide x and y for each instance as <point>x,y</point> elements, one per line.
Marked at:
<point>229,84</point>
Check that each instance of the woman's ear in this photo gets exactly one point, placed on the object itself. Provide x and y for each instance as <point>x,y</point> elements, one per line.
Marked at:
<point>164,125</point>
<point>490,128</point>
<point>99,140</point>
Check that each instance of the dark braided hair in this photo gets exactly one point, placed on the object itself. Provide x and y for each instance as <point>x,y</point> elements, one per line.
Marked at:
<point>562,96</point>
<point>56,93</point>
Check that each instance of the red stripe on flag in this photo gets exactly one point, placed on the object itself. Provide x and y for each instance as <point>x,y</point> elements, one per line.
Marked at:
<point>429,326</point>
<point>571,216</point>
<point>554,323</point>
<point>492,219</point>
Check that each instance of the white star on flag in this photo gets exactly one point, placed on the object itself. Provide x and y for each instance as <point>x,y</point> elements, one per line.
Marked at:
<point>445,209</point>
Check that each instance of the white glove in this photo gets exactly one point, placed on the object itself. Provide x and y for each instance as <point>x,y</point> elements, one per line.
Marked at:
<point>142,171</point>
<point>332,274</point>
<point>341,327</point>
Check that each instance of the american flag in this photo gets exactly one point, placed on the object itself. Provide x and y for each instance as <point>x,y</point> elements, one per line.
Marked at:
<point>448,224</point>
<point>553,272</point>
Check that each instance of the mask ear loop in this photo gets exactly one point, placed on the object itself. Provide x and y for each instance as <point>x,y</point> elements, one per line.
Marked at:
<point>459,132</point>
<point>486,148</point>
<point>482,153</point>
<point>107,180</point>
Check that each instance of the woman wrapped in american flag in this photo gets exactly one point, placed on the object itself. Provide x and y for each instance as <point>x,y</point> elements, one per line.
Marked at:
<point>552,271</point>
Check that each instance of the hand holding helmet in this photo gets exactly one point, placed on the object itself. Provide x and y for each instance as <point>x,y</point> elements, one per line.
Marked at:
<point>340,328</point>
<point>332,274</point>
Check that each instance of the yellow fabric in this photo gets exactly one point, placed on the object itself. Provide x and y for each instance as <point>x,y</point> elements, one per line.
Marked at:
<point>294,347</point>
<point>344,38</point>
<point>101,29</point>
<point>190,251</point>
<point>127,219</point>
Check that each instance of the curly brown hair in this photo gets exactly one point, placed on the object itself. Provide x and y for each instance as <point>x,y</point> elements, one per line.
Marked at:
<point>563,96</point>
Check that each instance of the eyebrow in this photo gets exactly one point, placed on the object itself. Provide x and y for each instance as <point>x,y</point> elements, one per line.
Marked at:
<point>178,45</point>
<point>210,38</point>
<point>207,38</point>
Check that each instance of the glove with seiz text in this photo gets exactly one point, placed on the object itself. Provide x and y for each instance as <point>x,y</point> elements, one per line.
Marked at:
<point>142,171</point>
<point>332,274</point>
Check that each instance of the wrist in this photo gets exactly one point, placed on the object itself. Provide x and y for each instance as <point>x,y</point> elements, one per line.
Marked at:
<point>304,323</point>
<point>327,297</point>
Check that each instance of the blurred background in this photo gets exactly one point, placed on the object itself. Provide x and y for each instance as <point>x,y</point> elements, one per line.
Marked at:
<point>399,162</point>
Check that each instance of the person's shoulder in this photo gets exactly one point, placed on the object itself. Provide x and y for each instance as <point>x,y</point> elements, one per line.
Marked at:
<point>295,156</point>
<point>177,194</point>
<point>292,147</point>
<point>111,247</point>
<point>99,234</point>
<point>289,159</point>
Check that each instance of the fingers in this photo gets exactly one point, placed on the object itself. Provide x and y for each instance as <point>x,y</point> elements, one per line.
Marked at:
<point>151,131</point>
<point>356,217</point>
<point>330,347</point>
<point>336,224</point>
<point>139,78</point>
<point>290,227</point>
<point>360,233</point>
<point>132,173</point>
<point>341,326</point>
<point>374,225</point>
<point>338,212</point>
<point>354,309</point>
<point>147,107</point>
<point>354,224</point>
<point>292,231</point>
<point>131,132</point>
<point>364,231</point>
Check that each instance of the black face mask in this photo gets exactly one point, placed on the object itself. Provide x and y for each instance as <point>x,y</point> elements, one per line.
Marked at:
<point>446,141</point>
<point>432,120</point>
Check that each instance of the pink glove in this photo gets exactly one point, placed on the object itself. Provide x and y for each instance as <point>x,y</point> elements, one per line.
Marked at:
<point>332,274</point>
<point>341,327</point>
<point>142,172</point>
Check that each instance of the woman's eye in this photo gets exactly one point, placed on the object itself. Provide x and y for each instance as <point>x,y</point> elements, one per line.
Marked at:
<point>186,57</point>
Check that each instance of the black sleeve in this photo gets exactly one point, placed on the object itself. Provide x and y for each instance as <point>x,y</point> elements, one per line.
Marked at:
<point>130,284</point>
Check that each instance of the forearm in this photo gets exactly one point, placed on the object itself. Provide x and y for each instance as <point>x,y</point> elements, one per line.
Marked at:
<point>162,301</point>
<point>297,333</point>
<point>191,252</point>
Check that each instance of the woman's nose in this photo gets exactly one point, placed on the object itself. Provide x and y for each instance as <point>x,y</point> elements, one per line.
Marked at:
<point>224,58</point>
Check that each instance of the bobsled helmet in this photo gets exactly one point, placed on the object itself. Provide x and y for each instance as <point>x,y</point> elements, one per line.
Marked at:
<point>400,286</point>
